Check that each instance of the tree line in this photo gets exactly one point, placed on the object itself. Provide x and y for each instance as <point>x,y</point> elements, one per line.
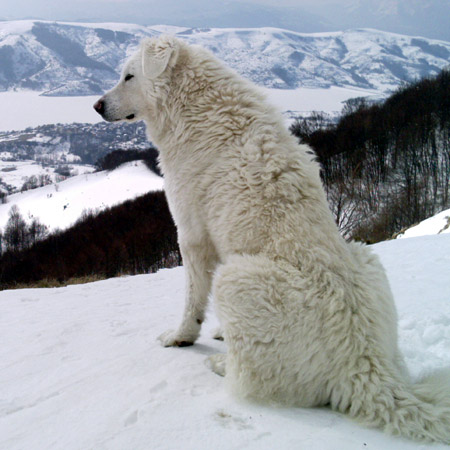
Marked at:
<point>114,159</point>
<point>137,236</point>
<point>385,166</point>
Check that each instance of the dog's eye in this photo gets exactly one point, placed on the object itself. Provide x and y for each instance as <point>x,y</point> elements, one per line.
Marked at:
<point>129,77</point>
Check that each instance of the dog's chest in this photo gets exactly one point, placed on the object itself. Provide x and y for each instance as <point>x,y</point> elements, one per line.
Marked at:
<point>184,191</point>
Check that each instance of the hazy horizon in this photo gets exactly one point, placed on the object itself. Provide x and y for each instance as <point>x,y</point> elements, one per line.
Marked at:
<point>428,18</point>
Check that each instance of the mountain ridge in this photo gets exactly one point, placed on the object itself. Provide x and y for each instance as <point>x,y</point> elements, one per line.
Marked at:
<point>68,58</point>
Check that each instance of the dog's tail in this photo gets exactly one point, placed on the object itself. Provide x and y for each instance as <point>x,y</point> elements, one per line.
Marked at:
<point>381,398</point>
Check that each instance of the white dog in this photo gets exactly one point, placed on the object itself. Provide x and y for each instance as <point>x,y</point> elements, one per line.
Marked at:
<point>308,318</point>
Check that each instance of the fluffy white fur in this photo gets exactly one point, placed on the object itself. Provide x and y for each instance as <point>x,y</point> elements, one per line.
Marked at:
<point>308,318</point>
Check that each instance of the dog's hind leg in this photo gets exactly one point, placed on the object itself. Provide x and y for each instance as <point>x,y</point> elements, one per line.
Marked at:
<point>260,305</point>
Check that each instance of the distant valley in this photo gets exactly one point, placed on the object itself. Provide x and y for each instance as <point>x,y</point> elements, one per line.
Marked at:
<point>61,149</point>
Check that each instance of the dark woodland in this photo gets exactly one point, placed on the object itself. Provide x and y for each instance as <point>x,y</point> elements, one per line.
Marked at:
<point>117,157</point>
<point>137,236</point>
<point>385,166</point>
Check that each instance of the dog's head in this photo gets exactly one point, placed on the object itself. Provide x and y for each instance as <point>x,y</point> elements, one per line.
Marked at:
<point>129,99</point>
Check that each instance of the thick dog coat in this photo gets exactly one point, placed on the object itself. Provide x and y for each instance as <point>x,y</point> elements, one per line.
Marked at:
<point>308,318</point>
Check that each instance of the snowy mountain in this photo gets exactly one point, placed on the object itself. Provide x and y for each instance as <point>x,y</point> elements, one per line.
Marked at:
<point>80,367</point>
<point>60,205</point>
<point>83,59</point>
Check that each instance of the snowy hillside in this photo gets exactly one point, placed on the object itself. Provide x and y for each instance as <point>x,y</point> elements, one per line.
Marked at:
<point>438,224</point>
<point>60,205</point>
<point>80,367</point>
<point>84,59</point>
<point>13,174</point>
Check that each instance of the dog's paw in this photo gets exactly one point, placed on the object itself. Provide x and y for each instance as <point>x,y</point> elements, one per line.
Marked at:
<point>217,363</point>
<point>218,334</point>
<point>171,338</point>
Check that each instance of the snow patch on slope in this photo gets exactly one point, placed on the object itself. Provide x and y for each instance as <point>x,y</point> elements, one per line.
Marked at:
<point>439,223</point>
<point>60,205</point>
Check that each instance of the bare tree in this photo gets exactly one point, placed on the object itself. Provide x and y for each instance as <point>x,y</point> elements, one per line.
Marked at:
<point>36,231</point>
<point>15,235</point>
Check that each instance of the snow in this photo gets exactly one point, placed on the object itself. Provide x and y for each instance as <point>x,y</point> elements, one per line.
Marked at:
<point>418,271</point>
<point>28,168</point>
<point>440,223</point>
<point>15,27</point>
<point>80,367</point>
<point>303,100</point>
<point>60,205</point>
<point>22,109</point>
<point>169,29</point>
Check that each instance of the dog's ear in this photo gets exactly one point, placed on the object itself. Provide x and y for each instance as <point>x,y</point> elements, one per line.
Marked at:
<point>156,55</point>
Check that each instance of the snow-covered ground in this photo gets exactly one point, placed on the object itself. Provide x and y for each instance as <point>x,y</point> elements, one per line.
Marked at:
<point>80,367</point>
<point>440,223</point>
<point>19,110</point>
<point>60,205</point>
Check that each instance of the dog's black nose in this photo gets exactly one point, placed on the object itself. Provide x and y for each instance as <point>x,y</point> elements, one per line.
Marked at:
<point>100,107</point>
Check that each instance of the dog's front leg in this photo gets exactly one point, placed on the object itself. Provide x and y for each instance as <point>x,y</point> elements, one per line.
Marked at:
<point>199,264</point>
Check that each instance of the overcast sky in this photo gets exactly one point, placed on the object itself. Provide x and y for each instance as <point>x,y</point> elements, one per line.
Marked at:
<point>427,18</point>
<point>24,8</point>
